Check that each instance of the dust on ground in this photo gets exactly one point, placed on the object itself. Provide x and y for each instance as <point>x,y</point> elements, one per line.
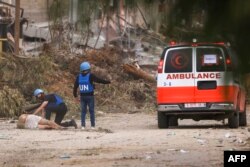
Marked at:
<point>122,139</point>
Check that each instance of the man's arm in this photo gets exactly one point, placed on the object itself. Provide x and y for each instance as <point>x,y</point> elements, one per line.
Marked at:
<point>99,80</point>
<point>40,109</point>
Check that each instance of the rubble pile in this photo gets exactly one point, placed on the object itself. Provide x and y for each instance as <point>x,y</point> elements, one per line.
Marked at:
<point>19,78</point>
<point>55,72</point>
<point>125,93</point>
<point>25,74</point>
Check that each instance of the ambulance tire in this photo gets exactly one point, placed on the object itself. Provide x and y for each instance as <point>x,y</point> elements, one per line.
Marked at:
<point>233,120</point>
<point>163,120</point>
<point>243,118</point>
<point>173,121</point>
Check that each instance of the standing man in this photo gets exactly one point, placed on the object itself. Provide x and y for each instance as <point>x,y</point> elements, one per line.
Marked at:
<point>85,82</point>
<point>52,103</point>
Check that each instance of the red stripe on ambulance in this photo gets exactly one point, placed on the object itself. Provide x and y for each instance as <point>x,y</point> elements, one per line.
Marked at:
<point>192,94</point>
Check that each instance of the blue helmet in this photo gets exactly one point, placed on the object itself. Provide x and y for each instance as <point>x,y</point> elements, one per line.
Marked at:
<point>38,91</point>
<point>84,66</point>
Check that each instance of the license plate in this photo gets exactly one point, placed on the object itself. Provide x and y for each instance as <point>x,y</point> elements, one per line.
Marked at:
<point>194,105</point>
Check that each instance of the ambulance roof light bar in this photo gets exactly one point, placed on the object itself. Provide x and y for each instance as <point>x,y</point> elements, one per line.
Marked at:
<point>220,43</point>
<point>172,43</point>
<point>194,42</point>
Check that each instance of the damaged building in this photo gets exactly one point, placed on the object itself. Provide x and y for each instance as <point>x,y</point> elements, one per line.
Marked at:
<point>133,30</point>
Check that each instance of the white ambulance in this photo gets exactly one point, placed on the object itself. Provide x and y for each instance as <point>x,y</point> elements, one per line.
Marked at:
<point>199,81</point>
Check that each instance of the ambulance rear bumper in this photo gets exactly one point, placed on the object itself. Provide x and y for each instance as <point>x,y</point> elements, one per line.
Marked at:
<point>210,108</point>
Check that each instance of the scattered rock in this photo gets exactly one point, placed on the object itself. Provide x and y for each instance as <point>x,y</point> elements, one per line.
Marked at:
<point>100,113</point>
<point>65,156</point>
<point>12,121</point>
<point>104,130</point>
<point>227,135</point>
<point>183,151</point>
<point>201,141</point>
<point>220,141</point>
<point>148,157</point>
<point>171,134</point>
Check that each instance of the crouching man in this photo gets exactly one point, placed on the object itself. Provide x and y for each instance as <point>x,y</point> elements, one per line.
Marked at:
<point>52,103</point>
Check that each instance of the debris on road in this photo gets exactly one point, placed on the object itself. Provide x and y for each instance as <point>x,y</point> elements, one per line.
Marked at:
<point>183,151</point>
<point>4,137</point>
<point>228,135</point>
<point>201,141</point>
<point>171,134</point>
<point>65,156</point>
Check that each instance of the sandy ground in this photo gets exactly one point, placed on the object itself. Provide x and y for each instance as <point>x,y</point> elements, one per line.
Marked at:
<point>122,140</point>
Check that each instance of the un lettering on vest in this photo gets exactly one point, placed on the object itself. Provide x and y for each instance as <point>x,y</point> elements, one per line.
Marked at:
<point>84,87</point>
<point>193,76</point>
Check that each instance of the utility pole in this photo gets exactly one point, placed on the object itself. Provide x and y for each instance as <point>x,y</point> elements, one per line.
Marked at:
<point>17,26</point>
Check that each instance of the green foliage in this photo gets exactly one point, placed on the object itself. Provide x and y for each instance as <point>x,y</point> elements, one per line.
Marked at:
<point>130,4</point>
<point>19,79</point>
<point>37,71</point>
<point>11,101</point>
<point>26,74</point>
<point>85,12</point>
<point>226,20</point>
<point>149,2</point>
<point>57,10</point>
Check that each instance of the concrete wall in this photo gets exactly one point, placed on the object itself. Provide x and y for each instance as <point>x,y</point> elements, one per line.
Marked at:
<point>35,10</point>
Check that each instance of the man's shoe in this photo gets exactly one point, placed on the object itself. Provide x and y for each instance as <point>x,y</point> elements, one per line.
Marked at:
<point>83,128</point>
<point>92,128</point>
<point>73,123</point>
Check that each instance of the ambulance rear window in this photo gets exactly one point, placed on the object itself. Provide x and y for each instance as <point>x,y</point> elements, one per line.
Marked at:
<point>179,60</point>
<point>210,59</point>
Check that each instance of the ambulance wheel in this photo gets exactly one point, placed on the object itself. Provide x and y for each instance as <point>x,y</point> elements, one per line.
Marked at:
<point>243,118</point>
<point>233,120</point>
<point>163,121</point>
<point>173,121</point>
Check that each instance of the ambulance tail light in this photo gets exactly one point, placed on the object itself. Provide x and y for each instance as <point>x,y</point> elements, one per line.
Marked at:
<point>160,66</point>
<point>229,64</point>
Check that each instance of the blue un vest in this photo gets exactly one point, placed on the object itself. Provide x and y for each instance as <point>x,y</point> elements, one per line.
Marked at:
<point>59,100</point>
<point>84,84</point>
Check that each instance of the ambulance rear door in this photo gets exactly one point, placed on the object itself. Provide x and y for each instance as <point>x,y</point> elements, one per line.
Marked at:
<point>176,83</point>
<point>212,83</point>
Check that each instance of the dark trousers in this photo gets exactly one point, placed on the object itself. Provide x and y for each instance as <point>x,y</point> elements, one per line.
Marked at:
<point>60,111</point>
<point>90,102</point>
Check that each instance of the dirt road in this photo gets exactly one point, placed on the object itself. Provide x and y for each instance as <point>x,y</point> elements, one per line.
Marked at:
<point>123,140</point>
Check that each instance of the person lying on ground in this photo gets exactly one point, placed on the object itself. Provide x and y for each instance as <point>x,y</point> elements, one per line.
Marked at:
<point>31,121</point>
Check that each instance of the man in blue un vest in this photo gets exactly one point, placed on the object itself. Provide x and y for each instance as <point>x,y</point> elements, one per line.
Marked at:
<point>52,103</point>
<point>85,82</point>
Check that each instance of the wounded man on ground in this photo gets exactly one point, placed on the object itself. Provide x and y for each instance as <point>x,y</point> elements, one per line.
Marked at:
<point>31,121</point>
